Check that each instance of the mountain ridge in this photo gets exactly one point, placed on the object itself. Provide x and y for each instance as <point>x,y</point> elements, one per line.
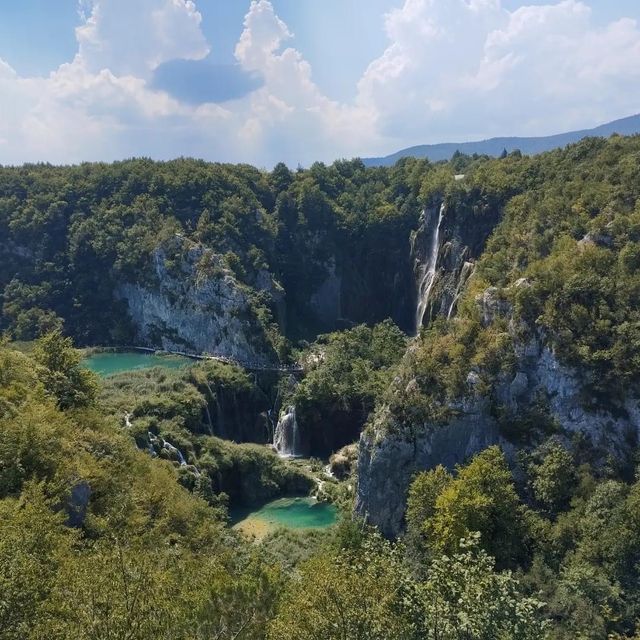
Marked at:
<point>495,146</point>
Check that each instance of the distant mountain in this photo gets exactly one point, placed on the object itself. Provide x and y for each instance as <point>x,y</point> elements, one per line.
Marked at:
<point>495,146</point>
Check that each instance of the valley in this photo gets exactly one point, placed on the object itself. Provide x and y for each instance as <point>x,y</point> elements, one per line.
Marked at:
<point>433,366</point>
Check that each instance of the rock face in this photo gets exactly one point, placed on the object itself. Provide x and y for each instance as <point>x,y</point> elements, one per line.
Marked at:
<point>390,455</point>
<point>609,430</point>
<point>387,463</point>
<point>193,303</point>
<point>444,249</point>
<point>78,504</point>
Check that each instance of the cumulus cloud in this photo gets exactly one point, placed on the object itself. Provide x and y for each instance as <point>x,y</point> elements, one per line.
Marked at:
<point>458,69</point>
<point>290,112</point>
<point>453,69</point>
<point>133,38</point>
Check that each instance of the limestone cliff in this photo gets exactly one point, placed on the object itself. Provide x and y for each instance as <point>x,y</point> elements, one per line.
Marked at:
<point>451,237</point>
<point>388,461</point>
<point>390,453</point>
<point>192,302</point>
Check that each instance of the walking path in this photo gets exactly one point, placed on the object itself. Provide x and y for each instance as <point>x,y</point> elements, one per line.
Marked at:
<point>245,364</point>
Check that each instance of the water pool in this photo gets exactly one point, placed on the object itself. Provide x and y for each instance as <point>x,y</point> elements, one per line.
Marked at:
<point>109,363</point>
<point>288,513</point>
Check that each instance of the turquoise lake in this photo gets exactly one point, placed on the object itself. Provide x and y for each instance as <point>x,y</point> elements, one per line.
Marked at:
<point>109,363</point>
<point>289,513</point>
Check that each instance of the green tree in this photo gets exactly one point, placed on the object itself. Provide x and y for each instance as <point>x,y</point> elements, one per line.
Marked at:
<point>464,598</point>
<point>421,509</point>
<point>481,498</point>
<point>63,376</point>
<point>554,478</point>
<point>34,545</point>
<point>352,596</point>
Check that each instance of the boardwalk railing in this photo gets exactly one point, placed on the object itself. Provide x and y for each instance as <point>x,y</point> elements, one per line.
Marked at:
<point>244,364</point>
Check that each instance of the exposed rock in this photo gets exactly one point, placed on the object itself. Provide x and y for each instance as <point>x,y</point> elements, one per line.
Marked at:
<point>519,385</point>
<point>387,463</point>
<point>390,454</point>
<point>192,307</point>
<point>596,239</point>
<point>326,300</point>
<point>610,430</point>
<point>461,240</point>
<point>492,306</point>
<point>78,504</point>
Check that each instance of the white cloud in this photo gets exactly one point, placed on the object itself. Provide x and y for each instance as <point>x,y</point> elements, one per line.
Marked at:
<point>460,69</point>
<point>290,112</point>
<point>453,69</point>
<point>134,37</point>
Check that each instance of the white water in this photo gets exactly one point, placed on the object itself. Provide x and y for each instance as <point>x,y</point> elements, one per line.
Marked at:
<point>171,449</point>
<point>465,274</point>
<point>155,441</point>
<point>429,273</point>
<point>286,439</point>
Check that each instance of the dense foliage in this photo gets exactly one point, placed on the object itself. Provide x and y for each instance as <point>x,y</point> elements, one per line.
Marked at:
<point>574,540</point>
<point>71,235</point>
<point>345,373</point>
<point>104,533</point>
<point>193,409</point>
<point>559,268</point>
<point>99,540</point>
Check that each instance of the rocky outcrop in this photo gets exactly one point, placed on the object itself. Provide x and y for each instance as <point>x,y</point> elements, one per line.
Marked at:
<point>451,237</point>
<point>609,430</point>
<point>191,302</point>
<point>538,385</point>
<point>325,301</point>
<point>388,460</point>
<point>78,504</point>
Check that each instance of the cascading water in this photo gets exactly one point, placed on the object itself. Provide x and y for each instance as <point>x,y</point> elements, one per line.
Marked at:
<point>428,272</point>
<point>286,439</point>
<point>175,451</point>
<point>465,274</point>
<point>206,407</point>
<point>156,442</point>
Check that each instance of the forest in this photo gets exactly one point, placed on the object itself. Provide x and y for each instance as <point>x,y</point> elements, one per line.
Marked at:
<point>534,536</point>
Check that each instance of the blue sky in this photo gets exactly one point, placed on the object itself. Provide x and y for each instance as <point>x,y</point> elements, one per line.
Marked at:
<point>314,78</point>
<point>338,37</point>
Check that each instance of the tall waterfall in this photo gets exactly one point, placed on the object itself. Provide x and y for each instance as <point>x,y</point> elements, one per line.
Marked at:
<point>428,272</point>
<point>286,439</point>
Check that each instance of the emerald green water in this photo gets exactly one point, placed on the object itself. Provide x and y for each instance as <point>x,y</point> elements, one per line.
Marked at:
<point>290,513</point>
<point>110,363</point>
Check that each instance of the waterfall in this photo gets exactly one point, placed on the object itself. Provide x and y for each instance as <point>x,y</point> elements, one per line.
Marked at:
<point>175,451</point>
<point>465,274</point>
<point>287,435</point>
<point>428,272</point>
<point>161,443</point>
<point>156,442</point>
<point>206,406</point>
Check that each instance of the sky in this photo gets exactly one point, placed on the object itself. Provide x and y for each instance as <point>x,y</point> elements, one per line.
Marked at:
<point>297,81</point>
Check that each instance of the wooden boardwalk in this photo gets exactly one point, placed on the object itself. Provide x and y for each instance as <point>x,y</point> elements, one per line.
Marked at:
<point>244,364</point>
